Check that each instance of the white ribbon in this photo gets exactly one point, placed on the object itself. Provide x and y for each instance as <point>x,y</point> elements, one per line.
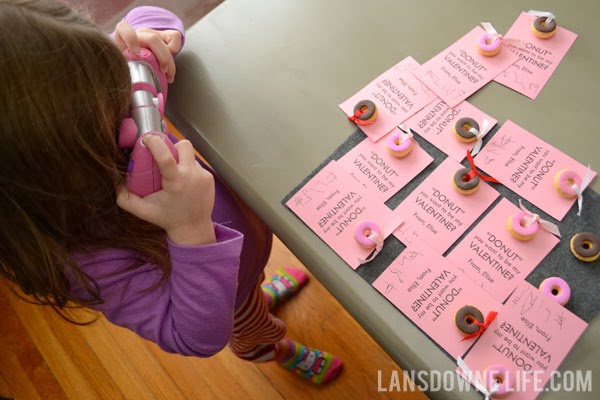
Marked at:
<point>479,136</point>
<point>476,382</point>
<point>549,16</point>
<point>579,190</point>
<point>531,218</point>
<point>407,133</point>
<point>375,238</point>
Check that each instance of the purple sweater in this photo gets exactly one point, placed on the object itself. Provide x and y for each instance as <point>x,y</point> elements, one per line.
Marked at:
<point>191,313</point>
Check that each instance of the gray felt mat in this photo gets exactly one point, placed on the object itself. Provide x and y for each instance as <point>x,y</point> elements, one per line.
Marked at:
<point>583,278</point>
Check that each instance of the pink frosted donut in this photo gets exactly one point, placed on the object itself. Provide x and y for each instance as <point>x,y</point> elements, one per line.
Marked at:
<point>556,288</point>
<point>498,373</point>
<point>397,148</point>
<point>364,231</point>
<point>486,48</point>
<point>563,181</point>
<point>517,228</point>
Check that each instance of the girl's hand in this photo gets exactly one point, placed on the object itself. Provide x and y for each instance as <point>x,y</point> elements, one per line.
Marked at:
<point>163,44</point>
<point>183,207</point>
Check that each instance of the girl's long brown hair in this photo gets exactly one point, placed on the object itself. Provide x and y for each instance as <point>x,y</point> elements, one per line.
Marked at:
<point>64,88</point>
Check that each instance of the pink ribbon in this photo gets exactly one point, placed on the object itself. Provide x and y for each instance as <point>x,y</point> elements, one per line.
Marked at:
<point>531,218</point>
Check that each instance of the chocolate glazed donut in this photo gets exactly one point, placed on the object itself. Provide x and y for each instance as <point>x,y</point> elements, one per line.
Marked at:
<point>464,318</point>
<point>461,183</point>
<point>368,108</point>
<point>540,24</point>
<point>464,133</point>
<point>586,246</point>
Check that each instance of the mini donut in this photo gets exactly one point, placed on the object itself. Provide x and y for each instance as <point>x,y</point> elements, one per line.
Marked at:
<point>489,46</point>
<point>463,184</point>
<point>363,232</point>
<point>563,181</point>
<point>585,246</point>
<point>369,112</point>
<point>397,148</point>
<point>519,230</point>
<point>542,28</point>
<point>464,318</point>
<point>497,374</point>
<point>461,129</point>
<point>556,288</point>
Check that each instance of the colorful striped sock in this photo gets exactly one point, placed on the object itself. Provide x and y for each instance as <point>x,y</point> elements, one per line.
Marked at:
<point>281,286</point>
<point>315,365</point>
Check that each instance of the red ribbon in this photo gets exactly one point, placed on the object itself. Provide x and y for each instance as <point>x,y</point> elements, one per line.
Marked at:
<point>354,118</point>
<point>482,327</point>
<point>474,171</point>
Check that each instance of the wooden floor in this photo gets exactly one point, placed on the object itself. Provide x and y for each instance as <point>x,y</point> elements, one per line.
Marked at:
<point>44,357</point>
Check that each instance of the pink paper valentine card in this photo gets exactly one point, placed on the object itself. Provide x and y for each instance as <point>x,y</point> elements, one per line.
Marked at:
<point>436,123</point>
<point>333,204</point>
<point>538,58</point>
<point>460,70</point>
<point>527,165</point>
<point>493,258</point>
<point>429,290</point>
<point>379,171</point>
<point>397,95</point>
<point>437,213</point>
<point>530,337</point>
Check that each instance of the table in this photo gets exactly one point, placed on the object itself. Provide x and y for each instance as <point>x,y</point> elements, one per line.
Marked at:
<point>257,89</point>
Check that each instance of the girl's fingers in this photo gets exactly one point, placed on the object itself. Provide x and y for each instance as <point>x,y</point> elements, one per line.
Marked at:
<point>127,38</point>
<point>163,157</point>
<point>185,152</point>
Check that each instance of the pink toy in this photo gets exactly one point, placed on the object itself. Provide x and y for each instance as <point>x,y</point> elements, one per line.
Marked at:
<point>489,44</point>
<point>399,144</point>
<point>497,374</point>
<point>521,228</point>
<point>564,181</point>
<point>365,234</point>
<point>148,96</point>
<point>556,288</point>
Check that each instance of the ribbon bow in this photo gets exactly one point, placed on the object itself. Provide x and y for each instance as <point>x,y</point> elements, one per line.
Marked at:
<point>579,190</point>
<point>378,241</point>
<point>487,26</point>
<point>354,118</point>
<point>549,16</point>
<point>407,133</point>
<point>531,218</point>
<point>476,382</point>
<point>479,136</point>
<point>474,171</point>
<point>482,327</point>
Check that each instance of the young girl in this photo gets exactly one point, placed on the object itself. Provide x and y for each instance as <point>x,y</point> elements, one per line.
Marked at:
<point>181,267</point>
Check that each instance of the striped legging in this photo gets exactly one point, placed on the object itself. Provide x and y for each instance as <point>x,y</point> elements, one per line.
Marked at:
<point>255,329</point>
